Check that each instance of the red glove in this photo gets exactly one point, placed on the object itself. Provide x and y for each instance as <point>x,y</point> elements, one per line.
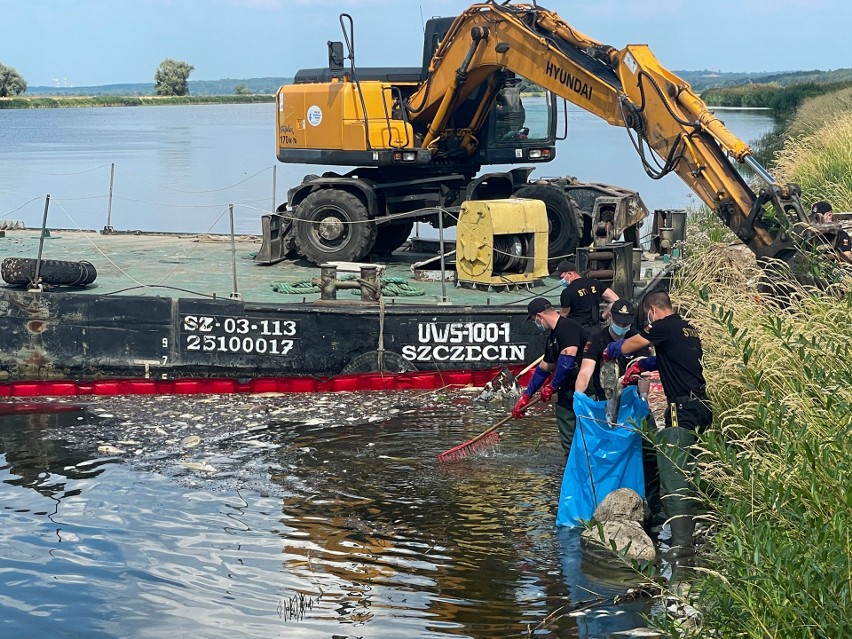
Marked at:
<point>547,392</point>
<point>520,406</point>
<point>633,372</point>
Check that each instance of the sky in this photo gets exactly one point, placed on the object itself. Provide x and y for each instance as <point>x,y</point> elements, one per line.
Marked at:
<point>97,42</point>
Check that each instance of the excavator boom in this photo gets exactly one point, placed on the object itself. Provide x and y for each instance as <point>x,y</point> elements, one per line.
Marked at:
<point>672,128</point>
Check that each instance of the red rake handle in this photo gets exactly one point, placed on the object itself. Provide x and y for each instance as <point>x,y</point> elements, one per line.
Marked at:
<point>464,449</point>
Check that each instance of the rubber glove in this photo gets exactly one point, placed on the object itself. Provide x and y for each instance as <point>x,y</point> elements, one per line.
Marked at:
<point>613,350</point>
<point>637,368</point>
<point>564,365</point>
<point>520,406</point>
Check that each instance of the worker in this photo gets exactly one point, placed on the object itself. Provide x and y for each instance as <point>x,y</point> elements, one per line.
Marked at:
<point>842,243</point>
<point>688,413</point>
<point>622,316</point>
<point>565,341</point>
<point>582,296</point>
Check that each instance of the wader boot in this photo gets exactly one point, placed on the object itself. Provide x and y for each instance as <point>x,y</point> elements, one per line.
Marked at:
<point>566,420</point>
<point>675,460</point>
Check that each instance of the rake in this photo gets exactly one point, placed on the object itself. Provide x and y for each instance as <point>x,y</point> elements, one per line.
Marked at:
<point>482,441</point>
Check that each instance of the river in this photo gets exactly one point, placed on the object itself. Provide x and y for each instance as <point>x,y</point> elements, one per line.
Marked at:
<point>309,516</point>
<point>177,168</point>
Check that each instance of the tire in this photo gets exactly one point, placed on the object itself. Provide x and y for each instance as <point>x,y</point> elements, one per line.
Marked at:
<point>369,363</point>
<point>333,226</point>
<point>20,271</point>
<point>563,235</point>
<point>391,236</point>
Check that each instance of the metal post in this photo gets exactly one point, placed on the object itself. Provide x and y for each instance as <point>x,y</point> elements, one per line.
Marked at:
<point>108,227</point>
<point>274,190</point>
<point>443,299</point>
<point>235,295</point>
<point>370,289</point>
<point>328,282</point>
<point>36,284</point>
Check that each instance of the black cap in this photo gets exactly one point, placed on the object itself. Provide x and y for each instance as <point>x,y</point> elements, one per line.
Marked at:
<point>565,266</point>
<point>538,305</point>
<point>622,311</point>
<point>821,207</point>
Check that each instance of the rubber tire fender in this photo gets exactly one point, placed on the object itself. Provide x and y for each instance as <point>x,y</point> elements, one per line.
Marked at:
<point>20,271</point>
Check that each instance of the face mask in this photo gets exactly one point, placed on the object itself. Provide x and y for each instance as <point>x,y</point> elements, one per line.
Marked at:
<point>541,327</point>
<point>563,283</point>
<point>619,330</point>
<point>650,320</point>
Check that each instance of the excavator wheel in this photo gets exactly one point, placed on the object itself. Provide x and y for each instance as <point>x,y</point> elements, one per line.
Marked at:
<point>564,235</point>
<point>331,225</point>
<point>391,236</point>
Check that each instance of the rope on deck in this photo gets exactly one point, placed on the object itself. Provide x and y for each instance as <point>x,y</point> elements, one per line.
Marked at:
<point>391,287</point>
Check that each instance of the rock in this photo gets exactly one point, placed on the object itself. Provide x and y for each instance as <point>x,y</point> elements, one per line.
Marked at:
<point>622,504</point>
<point>619,517</point>
<point>631,542</point>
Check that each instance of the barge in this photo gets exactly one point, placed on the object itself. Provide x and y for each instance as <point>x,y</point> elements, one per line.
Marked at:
<point>175,313</point>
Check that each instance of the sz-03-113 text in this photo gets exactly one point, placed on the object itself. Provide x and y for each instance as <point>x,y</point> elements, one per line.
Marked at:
<point>253,336</point>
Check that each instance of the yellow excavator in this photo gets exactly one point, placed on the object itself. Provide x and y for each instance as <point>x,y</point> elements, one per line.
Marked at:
<point>489,92</point>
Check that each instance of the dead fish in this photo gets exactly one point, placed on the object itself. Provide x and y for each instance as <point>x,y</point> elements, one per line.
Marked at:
<point>109,449</point>
<point>190,441</point>
<point>202,467</point>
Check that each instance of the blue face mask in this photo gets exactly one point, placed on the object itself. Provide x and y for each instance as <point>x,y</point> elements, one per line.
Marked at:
<point>619,330</point>
<point>541,327</point>
<point>563,283</point>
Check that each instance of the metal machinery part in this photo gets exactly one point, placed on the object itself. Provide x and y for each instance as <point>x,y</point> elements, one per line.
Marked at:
<point>501,242</point>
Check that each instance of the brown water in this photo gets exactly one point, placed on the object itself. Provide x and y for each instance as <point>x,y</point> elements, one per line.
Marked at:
<point>297,516</point>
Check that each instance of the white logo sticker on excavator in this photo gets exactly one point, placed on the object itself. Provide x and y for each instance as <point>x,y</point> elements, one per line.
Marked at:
<point>630,61</point>
<point>314,115</point>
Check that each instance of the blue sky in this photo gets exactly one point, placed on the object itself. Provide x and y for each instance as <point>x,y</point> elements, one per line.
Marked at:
<point>93,42</point>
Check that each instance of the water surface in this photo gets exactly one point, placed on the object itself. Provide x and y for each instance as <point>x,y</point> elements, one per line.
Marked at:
<point>309,517</point>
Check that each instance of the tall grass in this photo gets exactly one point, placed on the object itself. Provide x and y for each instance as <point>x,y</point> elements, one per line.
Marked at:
<point>776,467</point>
<point>821,162</point>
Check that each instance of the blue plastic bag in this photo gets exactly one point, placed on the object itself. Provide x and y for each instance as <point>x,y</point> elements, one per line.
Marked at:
<point>603,456</point>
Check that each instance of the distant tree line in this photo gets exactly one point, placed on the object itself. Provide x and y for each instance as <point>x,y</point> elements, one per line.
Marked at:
<point>783,100</point>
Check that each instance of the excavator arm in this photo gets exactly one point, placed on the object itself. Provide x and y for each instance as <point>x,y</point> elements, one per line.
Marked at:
<point>671,127</point>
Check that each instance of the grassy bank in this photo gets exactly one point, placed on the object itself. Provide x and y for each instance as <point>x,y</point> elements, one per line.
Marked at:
<point>775,468</point>
<point>56,102</point>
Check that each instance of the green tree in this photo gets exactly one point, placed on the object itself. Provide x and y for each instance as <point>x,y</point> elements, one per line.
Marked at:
<point>172,77</point>
<point>242,89</point>
<point>11,82</point>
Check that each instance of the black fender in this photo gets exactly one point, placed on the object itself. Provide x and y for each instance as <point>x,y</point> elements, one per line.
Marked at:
<point>361,188</point>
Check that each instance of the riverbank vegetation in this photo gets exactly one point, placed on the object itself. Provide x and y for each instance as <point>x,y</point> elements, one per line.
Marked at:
<point>53,102</point>
<point>775,468</point>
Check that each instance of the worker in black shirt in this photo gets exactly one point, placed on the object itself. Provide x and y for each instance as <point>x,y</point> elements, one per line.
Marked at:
<point>622,314</point>
<point>565,341</point>
<point>678,358</point>
<point>842,243</point>
<point>582,296</point>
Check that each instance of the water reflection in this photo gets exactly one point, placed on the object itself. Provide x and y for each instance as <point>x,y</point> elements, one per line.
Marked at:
<point>322,517</point>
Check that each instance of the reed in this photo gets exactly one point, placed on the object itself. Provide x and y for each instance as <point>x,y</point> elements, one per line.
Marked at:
<point>821,162</point>
<point>775,468</point>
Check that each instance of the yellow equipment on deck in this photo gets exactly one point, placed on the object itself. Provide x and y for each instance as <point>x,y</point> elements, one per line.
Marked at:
<point>501,242</point>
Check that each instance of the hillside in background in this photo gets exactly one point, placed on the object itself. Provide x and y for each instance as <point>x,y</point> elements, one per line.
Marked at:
<point>699,80</point>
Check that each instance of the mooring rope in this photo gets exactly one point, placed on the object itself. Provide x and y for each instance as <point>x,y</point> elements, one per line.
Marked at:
<point>391,287</point>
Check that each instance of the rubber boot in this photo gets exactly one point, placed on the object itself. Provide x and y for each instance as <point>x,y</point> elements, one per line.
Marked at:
<point>676,461</point>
